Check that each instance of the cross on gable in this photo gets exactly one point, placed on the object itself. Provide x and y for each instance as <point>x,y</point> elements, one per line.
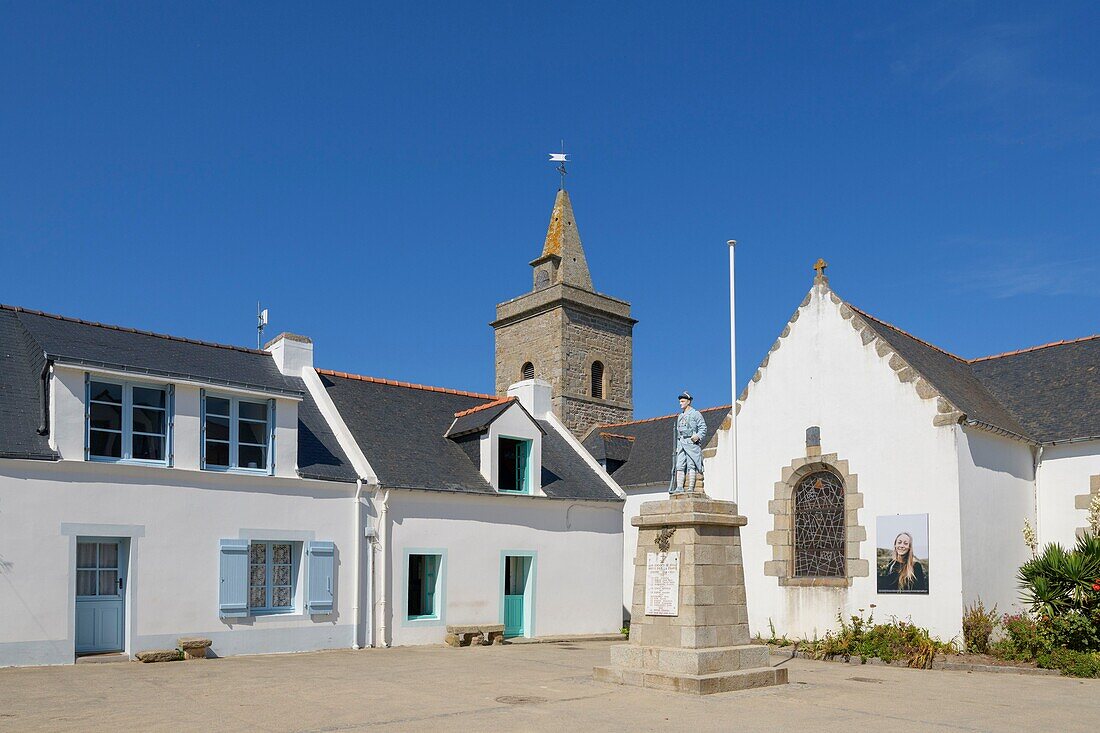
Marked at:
<point>820,266</point>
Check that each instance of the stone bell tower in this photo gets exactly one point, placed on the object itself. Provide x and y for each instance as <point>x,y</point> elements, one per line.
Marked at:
<point>567,334</point>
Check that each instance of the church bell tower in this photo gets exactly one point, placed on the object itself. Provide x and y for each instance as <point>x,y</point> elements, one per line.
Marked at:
<point>567,334</point>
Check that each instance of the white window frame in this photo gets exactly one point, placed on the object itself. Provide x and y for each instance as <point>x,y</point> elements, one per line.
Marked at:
<point>269,560</point>
<point>234,434</point>
<point>128,420</point>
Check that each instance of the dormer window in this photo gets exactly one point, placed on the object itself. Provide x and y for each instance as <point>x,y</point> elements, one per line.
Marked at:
<point>237,434</point>
<point>514,465</point>
<point>127,422</point>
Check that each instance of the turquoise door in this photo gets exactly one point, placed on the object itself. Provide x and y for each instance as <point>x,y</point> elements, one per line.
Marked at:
<point>517,575</point>
<point>100,595</point>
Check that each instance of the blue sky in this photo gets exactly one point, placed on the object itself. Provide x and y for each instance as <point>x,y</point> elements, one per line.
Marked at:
<point>376,173</point>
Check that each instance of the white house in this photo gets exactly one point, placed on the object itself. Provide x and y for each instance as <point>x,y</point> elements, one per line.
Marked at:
<point>849,420</point>
<point>153,487</point>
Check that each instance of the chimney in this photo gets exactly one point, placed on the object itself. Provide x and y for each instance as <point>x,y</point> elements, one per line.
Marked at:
<point>292,353</point>
<point>534,395</point>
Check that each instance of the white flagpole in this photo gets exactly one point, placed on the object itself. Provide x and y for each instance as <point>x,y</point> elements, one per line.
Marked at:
<point>733,376</point>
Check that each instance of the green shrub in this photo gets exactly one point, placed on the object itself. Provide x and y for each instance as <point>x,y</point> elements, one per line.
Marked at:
<point>1072,630</point>
<point>862,637</point>
<point>1071,662</point>
<point>1021,640</point>
<point>978,625</point>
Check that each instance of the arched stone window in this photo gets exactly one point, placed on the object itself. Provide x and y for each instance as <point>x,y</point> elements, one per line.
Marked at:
<point>819,526</point>
<point>527,371</point>
<point>597,380</point>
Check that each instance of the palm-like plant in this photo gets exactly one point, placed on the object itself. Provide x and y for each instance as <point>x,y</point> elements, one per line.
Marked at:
<point>1059,580</point>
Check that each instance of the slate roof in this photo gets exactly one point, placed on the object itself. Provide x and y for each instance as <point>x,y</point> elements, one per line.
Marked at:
<point>29,338</point>
<point>650,455</point>
<point>402,429</point>
<point>1044,394</point>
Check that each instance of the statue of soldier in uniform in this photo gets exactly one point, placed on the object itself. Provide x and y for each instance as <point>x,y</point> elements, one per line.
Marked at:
<point>690,432</point>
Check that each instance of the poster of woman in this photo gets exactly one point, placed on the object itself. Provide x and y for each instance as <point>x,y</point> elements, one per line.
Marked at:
<point>902,541</point>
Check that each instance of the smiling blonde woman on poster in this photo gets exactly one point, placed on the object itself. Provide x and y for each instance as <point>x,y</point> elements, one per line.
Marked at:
<point>904,573</point>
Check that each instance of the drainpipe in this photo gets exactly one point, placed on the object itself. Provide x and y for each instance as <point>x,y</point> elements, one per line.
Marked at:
<point>355,613</point>
<point>1038,464</point>
<point>383,569</point>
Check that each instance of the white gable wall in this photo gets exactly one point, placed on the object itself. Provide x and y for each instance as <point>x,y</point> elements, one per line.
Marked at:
<point>997,493</point>
<point>1064,474</point>
<point>824,375</point>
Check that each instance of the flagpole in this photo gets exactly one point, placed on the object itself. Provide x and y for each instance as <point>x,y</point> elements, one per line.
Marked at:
<point>733,377</point>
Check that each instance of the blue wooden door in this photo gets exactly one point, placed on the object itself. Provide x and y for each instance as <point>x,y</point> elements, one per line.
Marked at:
<point>100,595</point>
<point>517,571</point>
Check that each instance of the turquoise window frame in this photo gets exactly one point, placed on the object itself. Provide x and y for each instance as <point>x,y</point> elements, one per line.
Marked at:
<point>295,563</point>
<point>532,579</point>
<point>234,434</point>
<point>127,427</point>
<point>528,446</point>
<point>439,617</point>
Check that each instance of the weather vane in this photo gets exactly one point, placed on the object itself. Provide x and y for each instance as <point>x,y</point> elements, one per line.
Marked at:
<point>561,158</point>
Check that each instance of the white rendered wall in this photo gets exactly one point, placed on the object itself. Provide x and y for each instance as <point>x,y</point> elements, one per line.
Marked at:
<point>578,565</point>
<point>67,420</point>
<point>996,495</point>
<point>634,500</point>
<point>1064,474</point>
<point>175,519</point>
<point>824,375</point>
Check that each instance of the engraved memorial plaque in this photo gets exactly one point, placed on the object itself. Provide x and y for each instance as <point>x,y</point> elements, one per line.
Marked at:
<point>662,584</point>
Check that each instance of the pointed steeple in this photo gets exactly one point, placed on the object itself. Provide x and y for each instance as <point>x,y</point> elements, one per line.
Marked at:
<point>562,259</point>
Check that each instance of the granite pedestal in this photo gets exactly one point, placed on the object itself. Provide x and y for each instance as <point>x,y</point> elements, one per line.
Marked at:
<point>704,648</point>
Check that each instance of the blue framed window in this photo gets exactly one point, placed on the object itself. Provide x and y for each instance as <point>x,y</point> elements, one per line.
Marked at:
<point>238,434</point>
<point>127,422</point>
<point>424,578</point>
<point>272,576</point>
<point>514,465</point>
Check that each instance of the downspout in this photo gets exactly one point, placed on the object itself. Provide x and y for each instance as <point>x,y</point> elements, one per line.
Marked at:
<point>1038,464</point>
<point>355,612</point>
<point>383,569</point>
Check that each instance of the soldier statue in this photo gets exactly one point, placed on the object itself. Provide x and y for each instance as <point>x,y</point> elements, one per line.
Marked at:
<point>690,432</point>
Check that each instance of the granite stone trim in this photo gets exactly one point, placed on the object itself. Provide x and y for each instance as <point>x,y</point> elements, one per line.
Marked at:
<point>781,537</point>
<point>947,414</point>
<point>1083,501</point>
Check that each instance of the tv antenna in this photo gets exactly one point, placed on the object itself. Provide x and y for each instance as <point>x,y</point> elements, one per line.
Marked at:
<point>561,158</point>
<point>261,321</point>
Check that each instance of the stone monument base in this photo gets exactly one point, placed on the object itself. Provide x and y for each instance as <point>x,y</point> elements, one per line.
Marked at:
<point>702,647</point>
<point>696,671</point>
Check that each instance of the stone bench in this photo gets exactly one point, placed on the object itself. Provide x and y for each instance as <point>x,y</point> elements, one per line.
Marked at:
<point>193,647</point>
<point>159,655</point>
<point>475,635</point>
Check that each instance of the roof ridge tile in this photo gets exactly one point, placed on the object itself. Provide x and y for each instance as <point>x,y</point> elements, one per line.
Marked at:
<point>1028,349</point>
<point>407,385</point>
<point>487,405</point>
<point>127,329</point>
<point>660,417</point>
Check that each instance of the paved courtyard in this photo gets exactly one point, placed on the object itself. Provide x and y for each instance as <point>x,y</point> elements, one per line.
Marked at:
<point>530,687</point>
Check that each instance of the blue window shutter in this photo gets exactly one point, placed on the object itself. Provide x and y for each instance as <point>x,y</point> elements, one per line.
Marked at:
<point>233,589</point>
<point>319,556</point>
<point>171,417</point>
<point>87,414</point>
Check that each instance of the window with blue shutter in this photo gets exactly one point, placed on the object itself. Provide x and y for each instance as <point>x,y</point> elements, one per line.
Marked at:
<point>233,583</point>
<point>319,576</point>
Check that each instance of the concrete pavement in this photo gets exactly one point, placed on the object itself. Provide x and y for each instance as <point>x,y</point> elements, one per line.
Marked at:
<point>532,687</point>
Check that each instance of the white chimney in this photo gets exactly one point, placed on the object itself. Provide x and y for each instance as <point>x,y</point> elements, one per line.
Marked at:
<point>534,395</point>
<point>292,353</point>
